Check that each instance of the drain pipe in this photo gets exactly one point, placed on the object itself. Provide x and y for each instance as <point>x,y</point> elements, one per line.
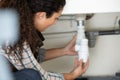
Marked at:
<point>111,32</point>
<point>81,42</point>
<point>92,35</point>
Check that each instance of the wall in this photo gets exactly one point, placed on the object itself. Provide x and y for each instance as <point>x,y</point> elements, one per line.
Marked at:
<point>104,57</point>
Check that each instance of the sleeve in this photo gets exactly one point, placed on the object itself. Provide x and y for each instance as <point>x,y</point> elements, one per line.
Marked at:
<point>41,55</point>
<point>29,61</point>
<point>50,75</point>
<point>55,76</point>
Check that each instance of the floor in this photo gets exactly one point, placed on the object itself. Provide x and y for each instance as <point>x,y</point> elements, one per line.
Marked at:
<point>100,78</point>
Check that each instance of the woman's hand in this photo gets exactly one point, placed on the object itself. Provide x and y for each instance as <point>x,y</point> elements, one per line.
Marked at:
<point>79,69</point>
<point>70,48</point>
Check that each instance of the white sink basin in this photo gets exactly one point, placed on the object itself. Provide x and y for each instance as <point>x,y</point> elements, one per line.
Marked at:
<point>91,6</point>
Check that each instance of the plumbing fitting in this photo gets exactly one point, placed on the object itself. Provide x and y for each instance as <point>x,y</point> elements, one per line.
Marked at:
<point>82,42</point>
<point>92,35</point>
<point>92,38</point>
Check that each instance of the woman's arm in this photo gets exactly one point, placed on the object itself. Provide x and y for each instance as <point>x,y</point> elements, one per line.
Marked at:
<point>58,52</point>
<point>54,53</point>
<point>79,69</point>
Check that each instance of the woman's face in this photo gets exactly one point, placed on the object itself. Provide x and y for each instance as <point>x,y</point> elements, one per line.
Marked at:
<point>41,22</point>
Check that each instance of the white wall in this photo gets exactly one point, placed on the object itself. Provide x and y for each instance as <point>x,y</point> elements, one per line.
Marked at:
<point>104,57</point>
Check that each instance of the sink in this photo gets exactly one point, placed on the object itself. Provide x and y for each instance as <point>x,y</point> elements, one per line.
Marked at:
<point>91,6</point>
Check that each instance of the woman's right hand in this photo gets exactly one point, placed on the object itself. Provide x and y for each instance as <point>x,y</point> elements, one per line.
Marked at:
<point>79,69</point>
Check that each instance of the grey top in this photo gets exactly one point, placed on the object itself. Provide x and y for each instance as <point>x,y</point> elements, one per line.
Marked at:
<point>41,55</point>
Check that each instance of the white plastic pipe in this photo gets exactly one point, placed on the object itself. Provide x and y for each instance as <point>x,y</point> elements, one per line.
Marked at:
<point>81,43</point>
<point>83,52</point>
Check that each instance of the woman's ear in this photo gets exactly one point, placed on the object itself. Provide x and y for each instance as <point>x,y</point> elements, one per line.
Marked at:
<point>41,15</point>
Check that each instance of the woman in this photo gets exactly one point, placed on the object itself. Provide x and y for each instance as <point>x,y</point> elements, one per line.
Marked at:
<point>35,17</point>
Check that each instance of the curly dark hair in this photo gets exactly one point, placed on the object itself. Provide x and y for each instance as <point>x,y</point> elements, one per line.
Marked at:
<point>26,10</point>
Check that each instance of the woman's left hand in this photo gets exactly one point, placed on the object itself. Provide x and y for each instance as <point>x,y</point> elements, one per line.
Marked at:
<point>70,48</point>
